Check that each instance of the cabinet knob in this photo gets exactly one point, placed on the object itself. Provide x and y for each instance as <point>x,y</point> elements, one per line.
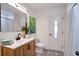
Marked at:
<point>28,46</point>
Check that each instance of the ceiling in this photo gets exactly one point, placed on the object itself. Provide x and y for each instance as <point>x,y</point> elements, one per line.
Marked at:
<point>42,6</point>
<point>37,7</point>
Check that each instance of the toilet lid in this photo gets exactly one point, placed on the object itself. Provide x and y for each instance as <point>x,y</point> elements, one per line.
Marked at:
<point>40,45</point>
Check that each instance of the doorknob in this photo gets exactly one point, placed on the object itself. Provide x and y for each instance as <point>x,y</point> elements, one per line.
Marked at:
<point>77,53</point>
<point>50,34</point>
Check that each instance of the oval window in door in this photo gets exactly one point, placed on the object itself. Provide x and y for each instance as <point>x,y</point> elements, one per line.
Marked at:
<point>55,29</point>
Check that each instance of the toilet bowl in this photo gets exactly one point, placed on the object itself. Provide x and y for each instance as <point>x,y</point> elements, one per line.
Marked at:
<point>40,49</point>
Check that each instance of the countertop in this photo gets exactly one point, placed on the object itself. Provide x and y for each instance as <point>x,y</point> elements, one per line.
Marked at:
<point>18,43</point>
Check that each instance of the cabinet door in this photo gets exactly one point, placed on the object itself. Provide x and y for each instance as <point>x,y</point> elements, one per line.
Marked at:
<point>21,51</point>
<point>0,50</point>
<point>31,48</point>
<point>25,51</point>
<point>17,52</point>
<point>7,51</point>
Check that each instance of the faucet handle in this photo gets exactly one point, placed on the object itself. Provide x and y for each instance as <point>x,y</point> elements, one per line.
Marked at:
<point>18,37</point>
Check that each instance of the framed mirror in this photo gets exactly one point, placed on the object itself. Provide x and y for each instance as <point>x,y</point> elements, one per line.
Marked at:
<point>12,19</point>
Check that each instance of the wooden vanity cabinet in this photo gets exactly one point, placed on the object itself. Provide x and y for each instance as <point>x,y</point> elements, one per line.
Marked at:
<point>27,49</point>
<point>0,50</point>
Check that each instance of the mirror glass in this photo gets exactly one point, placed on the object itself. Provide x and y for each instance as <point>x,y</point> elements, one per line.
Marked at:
<point>12,19</point>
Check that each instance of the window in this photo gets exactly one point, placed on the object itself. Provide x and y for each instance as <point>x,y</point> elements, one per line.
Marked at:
<point>55,29</point>
<point>7,22</point>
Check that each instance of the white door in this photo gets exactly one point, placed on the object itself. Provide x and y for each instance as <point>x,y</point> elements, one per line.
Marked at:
<point>56,33</point>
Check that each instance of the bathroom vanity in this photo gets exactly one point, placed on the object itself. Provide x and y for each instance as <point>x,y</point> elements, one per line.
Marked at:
<point>23,47</point>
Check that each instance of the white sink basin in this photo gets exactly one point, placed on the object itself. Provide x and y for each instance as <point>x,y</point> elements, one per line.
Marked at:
<point>18,43</point>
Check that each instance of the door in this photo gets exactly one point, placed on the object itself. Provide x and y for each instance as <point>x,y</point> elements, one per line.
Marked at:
<point>56,33</point>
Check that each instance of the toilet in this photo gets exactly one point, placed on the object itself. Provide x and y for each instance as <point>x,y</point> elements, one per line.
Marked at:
<point>40,49</point>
